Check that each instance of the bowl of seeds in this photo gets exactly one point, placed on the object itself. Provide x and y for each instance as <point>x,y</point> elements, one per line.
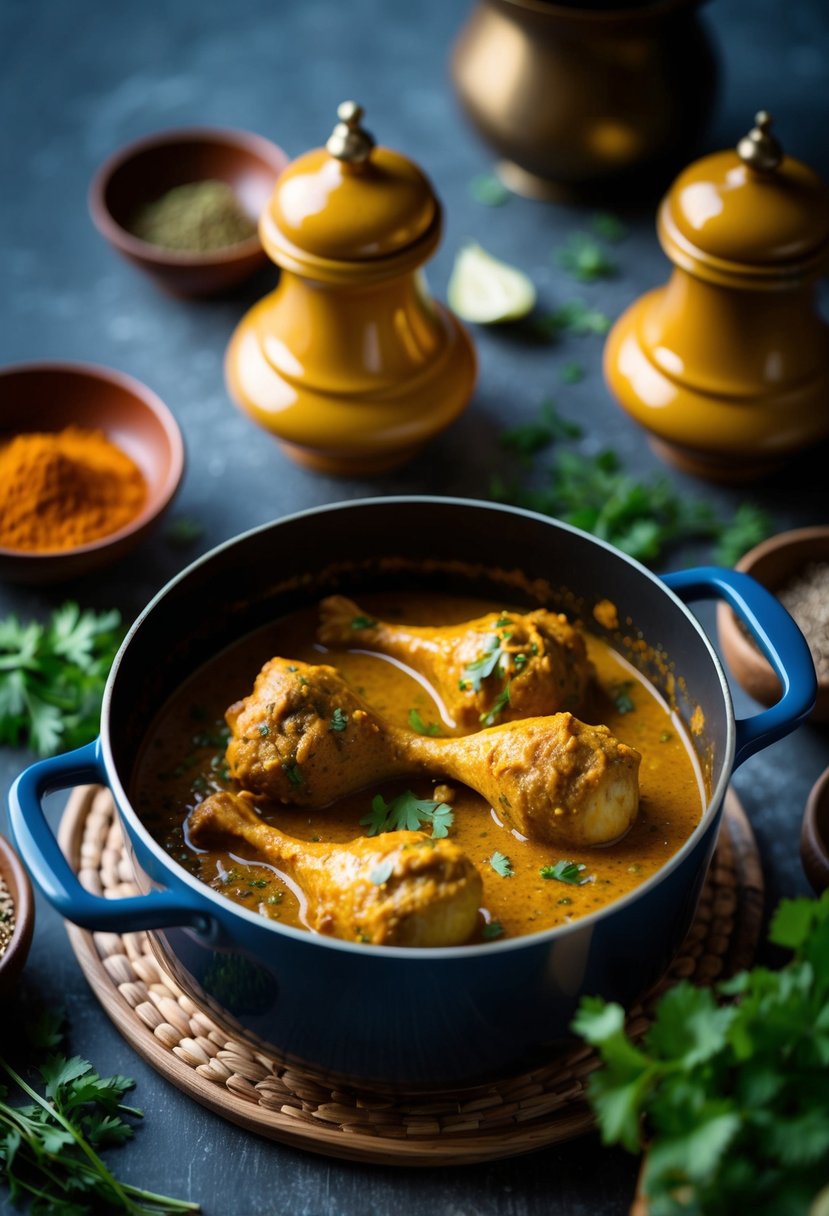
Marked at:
<point>183,205</point>
<point>17,917</point>
<point>795,566</point>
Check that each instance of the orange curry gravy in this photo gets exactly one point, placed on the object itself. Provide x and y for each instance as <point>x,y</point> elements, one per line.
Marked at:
<point>183,760</point>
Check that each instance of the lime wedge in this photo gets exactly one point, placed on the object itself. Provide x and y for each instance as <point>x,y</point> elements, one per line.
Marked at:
<point>485,290</point>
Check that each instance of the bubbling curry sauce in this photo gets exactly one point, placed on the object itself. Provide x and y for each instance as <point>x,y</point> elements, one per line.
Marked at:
<point>526,887</point>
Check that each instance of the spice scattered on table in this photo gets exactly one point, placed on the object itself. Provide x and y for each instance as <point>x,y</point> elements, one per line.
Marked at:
<point>7,916</point>
<point>806,596</point>
<point>65,488</point>
<point>198,217</point>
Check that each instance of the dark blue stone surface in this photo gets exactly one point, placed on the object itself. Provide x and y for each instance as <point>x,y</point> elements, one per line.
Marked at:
<point>78,80</point>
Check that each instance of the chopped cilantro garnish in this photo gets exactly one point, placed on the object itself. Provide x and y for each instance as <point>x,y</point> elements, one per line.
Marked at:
<point>257,882</point>
<point>483,667</point>
<point>339,720</point>
<point>748,527</point>
<point>584,258</point>
<point>362,622</point>
<point>498,705</point>
<point>294,773</point>
<point>666,736</point>
<point>419,726</point>
<point>621,697</point>
<point>264,729</point>
<point>565,871</point>
<point>492,930</point>
<point>501,864</point>
<point>407,813</point>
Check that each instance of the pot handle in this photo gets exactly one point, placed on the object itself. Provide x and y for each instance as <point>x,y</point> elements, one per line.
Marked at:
<point>777,636</point>
<point>51,871</point>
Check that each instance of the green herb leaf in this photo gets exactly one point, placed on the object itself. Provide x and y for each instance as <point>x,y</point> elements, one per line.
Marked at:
<point>575,317</point>
<point>732,1093</point>
<point>565,871</point>
<point>533,437</point>
<point>489,190</point>
<point>609,227</point>
<point>482,668</point>
<point>501,865</point>
<point>497,708</point>
<point>52,677</point>
<point>584,258</point>
<point>620,692</point>
<point>48,1140</point>
<point>294,773</point>
<point>407,813</point>
<point>491,930</point>
<point>339,720</point>
<point>362,622</point>
<point>572,373</point>
<point>419,726</point>
<point>747,528</point>
<point>264,729</point>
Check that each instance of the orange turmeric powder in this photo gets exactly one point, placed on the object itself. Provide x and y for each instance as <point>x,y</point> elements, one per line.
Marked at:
<point>65,488</point>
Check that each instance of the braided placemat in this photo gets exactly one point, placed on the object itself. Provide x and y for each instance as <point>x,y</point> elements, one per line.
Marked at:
<point>243,1084</point>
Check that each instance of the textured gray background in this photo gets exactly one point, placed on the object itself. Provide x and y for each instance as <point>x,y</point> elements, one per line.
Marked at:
<point>76,81</point>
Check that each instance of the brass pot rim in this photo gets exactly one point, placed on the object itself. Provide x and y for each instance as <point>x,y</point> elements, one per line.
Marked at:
<point>642,12</point>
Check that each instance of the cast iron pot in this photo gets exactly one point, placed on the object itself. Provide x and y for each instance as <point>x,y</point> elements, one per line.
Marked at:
<point>387,1014</point>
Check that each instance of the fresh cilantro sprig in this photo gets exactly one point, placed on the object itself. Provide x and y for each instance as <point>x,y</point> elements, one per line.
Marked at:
<point>571,872</point>
<point>640,516</point>
<point>749,526</point>
<point>419,726</point>
<point>407,813</point>
<point>49,1141</point>
<point>533,437</point>
<point>501,864</point>
<point>728,1087</point>
<point>480,669</point>
<point>52,677</point>
<point>585,259</point>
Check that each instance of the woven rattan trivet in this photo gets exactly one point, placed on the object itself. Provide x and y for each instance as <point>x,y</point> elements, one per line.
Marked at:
<point>497,1120</point>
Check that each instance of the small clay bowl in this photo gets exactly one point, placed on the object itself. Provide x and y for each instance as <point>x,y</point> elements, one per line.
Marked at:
<point>814,835</point>
<point>145,170</point>
<point>772,563</point>
<point>20,889</point>
<point>51,396</point>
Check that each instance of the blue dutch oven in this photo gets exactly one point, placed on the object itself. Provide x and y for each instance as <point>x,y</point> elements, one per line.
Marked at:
<point>387,1014</point>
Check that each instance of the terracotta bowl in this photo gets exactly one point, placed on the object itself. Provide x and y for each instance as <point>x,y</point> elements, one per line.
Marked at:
<point>814,835</point>
<point>771,563</point>
<point>145,170</point>
<point>15,954</point>
<point>51,396</point>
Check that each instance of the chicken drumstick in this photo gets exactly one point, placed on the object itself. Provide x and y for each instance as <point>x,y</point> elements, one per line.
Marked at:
<point>538,654</point>
<point>398,889</point>
<point>304,738</point>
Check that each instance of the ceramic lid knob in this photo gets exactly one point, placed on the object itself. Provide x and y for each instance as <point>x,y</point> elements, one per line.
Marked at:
<point>350,201</point>
<point>752,210</point>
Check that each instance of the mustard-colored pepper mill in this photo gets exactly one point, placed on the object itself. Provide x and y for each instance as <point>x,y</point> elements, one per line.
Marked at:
<point>349,362</point>
<point>727,365</point>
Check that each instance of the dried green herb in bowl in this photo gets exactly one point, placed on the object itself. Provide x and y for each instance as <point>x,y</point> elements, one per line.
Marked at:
<point>198,217</point>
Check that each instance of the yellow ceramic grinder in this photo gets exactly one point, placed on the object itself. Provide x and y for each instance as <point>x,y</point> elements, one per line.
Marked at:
<point>349,362</point>
<point>727,365</point>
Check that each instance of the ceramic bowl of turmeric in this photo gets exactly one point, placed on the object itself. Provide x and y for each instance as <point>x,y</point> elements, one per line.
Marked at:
<point>795,566</point>
<point>89,461</point>
<point>183,206</point>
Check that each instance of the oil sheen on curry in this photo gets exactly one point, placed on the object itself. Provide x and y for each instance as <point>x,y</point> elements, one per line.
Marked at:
<point>419,770</point>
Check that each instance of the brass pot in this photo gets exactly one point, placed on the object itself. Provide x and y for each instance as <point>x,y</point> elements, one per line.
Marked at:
<point>574,99</point>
